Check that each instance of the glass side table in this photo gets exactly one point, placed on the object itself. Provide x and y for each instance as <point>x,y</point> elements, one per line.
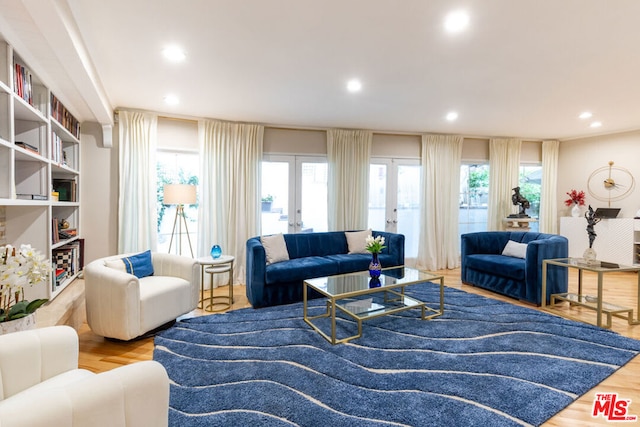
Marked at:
<point>595,303</point>
<point>213,266</point>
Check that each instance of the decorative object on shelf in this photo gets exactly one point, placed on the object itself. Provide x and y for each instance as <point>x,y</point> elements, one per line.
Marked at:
<point>179,194</point>
<point>575,200</point>
<point>216,251</point>
<point>375,246</point>
<point>611,183</point>
<point>519,200</point>
<point>18,269</point>
<point>64,224</point>
<point>590,254</point>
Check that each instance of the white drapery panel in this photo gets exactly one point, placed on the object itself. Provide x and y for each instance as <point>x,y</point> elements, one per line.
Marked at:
<point>230,168</point>
<point>504,169</point>
<point>348,152</point>
<point>137,210</point>
<point>439,210</point>
<point>548,189</point>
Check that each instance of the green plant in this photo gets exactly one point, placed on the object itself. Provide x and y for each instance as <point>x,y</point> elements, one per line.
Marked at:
<point>267,198</point>
<point>25,267</point>
<point>375,245</point>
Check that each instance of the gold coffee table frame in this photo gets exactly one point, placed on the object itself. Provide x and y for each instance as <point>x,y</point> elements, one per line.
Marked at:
<point>351,287</point>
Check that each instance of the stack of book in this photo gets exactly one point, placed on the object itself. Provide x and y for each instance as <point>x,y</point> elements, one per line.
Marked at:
<point>22,83</point>
<point>28,147</point>
<point>61,274</point>
<point>64,117</point>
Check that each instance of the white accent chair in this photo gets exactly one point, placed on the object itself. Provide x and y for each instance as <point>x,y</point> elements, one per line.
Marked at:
<point>41,385</point>
<point>121,306</point>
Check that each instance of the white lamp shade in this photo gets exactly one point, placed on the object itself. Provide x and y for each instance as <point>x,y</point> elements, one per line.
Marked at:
<point>179,194</point>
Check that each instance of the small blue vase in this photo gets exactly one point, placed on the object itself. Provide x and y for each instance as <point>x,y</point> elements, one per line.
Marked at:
<point>374,267</point>
<point>216,251</point>
<point>374,282</point>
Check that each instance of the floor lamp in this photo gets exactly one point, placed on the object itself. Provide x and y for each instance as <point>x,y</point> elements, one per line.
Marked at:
<point>179,194</point>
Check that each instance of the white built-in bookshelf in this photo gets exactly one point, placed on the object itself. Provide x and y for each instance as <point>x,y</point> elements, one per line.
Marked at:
<point>39,157</point>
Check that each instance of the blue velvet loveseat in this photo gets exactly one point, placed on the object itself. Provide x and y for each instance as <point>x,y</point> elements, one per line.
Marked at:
<point>310,255</point>
<point>484,265</point>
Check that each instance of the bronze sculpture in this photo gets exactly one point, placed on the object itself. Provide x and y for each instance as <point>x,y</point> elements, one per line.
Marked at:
<point>519,199</point>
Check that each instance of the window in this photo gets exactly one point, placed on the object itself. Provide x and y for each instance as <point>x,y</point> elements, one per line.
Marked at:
<point>530,180</point>
<point>176,168</point>
<point>474,198</point>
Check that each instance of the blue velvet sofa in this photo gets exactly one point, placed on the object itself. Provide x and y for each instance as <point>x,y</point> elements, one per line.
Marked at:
<point>310,255</point>
<point>484,266</point>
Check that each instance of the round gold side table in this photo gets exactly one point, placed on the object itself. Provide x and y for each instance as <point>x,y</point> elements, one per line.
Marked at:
<point>213,266</point>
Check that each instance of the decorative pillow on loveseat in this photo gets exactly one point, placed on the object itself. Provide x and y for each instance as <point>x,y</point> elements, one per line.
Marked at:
<point>357,241</point>
<point>275,248</point>
<point>515,249</point>
<point>139,265</point>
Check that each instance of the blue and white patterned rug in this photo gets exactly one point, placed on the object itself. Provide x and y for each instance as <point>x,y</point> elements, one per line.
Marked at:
<point>484,363</point>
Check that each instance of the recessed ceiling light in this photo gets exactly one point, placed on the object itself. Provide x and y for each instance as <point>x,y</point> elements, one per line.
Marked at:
<point>174,53</point>
<point>171,100</point>
<point>452,116</point>
<point>456,21</point>
<point>585,115</point>
<point>595,124</point>
<point>354,85</point>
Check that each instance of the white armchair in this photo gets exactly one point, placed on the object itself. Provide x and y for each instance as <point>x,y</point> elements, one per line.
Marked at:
<point>122,306</point>
<point>41,385</point>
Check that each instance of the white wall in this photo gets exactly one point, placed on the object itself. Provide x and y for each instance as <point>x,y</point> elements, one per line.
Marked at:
<point>578,158</point>
<point>98,193</point>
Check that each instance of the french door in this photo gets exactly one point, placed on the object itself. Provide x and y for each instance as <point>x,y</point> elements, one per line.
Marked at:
<point>294,194</point>
<point>394,200</point>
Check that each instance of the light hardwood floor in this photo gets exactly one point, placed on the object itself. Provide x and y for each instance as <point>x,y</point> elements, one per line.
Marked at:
<point>98,354</point>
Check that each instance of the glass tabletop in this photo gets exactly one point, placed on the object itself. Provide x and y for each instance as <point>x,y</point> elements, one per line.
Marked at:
<point>358,282</point>
<point>598,266</point>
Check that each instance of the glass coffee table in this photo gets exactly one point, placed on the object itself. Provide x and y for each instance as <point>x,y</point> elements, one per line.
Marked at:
<point>353,294</point>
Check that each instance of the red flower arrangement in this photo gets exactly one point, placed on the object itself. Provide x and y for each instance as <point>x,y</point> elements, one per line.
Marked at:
<point>575,198</point>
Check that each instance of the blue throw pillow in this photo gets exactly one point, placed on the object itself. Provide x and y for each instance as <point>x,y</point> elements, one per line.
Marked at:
<point>139,265</point>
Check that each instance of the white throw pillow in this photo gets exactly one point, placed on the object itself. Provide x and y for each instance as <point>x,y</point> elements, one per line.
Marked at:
<point>275,248</point>
<point>515,249</point>
<point>117,264</point>
<point>357,241</point>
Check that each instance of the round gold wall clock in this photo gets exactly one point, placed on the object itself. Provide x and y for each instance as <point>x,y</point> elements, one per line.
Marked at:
<point>611,183</point>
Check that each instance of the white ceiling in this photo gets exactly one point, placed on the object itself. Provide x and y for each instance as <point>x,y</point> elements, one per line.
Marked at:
<point>523,68</point>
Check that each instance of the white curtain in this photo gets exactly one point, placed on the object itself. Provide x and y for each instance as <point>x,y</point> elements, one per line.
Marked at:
<point>137,210</point>
<point>439,246</point>
<point>348,152</point>
<point>504,169</point>
<point>230,172</point>
<point>548,189</point>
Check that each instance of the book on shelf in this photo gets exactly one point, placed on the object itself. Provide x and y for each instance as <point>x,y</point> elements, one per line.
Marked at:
<point>28,147</point>
<point>55,229</point>
<point>64,117</point>
<point>23,196</point>
<point>22,83</point>
<point>67,258</point>
<point>67,189</point>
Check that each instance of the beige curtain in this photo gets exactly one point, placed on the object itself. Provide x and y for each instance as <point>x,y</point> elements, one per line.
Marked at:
<point>229,194</point>
<point>137,209</point>
<point>504,168</point>
<point>348,153</point>
<point>549,188</point>
<point>439,246</point>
